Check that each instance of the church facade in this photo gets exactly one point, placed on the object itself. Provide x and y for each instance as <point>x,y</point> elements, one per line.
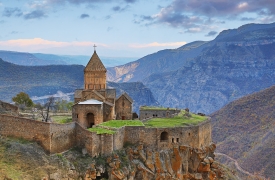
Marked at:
<point>96,103</point>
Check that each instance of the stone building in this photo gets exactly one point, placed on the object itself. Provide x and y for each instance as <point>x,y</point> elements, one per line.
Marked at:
<point>95,103</point>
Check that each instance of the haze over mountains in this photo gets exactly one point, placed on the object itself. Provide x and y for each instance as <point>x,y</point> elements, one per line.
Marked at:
<point>39,59</point>
<point>204,76</point>
<point>52,79</point>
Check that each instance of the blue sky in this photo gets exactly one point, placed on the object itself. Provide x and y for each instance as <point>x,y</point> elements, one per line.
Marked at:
<point>121,28</point>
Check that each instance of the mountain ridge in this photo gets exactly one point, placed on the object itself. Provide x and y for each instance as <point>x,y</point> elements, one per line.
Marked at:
<point>204,76</point>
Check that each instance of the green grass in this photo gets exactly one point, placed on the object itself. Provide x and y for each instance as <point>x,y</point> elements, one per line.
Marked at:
<point>121,123</point>
<point>179,120</point>
<point>62,119</point>
<point>100,130</point>
<point>154,108</point>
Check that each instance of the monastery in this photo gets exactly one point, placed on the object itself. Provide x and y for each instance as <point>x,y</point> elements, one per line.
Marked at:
<point>95,103</point>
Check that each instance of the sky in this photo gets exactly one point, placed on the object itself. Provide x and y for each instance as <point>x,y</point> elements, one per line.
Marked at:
<point>121,28</point>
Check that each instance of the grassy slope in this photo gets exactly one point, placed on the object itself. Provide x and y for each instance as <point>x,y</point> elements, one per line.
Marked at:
<point>179,120</point>
<point>244,130</point>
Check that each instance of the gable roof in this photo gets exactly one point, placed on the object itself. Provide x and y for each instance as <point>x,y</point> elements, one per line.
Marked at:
<point>126,96</point>
<point>95,64</point>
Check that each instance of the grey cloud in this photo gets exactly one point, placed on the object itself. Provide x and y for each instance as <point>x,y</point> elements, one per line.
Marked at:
<point>130,1</point>
<point>120,9</point>
<point>8,12</point>
<point>196,14</point>
<point>37,14</point>
<point>211,33</point>
<point>83,16</point>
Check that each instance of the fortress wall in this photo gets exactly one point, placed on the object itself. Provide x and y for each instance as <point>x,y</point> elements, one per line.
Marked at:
<point>88,140</point>
<point>26,128</point>
<point>62,137</point>
<point>205,133</point>
<point>132,134</point>
<point>119,138</point>
<point>107,143</point>
<point>150,137</point>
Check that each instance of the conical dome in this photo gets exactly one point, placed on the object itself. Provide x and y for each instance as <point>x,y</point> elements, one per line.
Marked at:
<point>95,64</point>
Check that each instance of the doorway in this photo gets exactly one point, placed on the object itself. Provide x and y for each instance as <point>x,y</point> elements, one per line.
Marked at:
<point>90,120</point>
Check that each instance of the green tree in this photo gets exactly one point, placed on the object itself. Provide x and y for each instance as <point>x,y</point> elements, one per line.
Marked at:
<point>23,99</point>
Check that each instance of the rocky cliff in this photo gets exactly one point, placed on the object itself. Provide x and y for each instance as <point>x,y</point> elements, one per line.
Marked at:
<point>204,76</point>
<point>25,160</point>
<point>244,130</point>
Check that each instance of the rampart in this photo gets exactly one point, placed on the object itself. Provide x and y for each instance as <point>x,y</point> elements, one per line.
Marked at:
<point>56,138</point>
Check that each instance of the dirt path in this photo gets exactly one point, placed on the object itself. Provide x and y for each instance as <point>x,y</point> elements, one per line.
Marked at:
<point>237,165</point>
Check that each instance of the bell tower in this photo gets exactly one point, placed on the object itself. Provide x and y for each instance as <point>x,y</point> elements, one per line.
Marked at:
<point>95,73</point>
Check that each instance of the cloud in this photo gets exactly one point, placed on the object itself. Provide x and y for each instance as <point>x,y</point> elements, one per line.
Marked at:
<point>109,29</point>
<point>211,33</point>
<point>130,1</point>
<point>156,44</point>
<point>83,16</point>
<point>119,8</point>
<point>8,12</point>
<point>37,14</point>
<point>197,13</point>
<point>38,43</point>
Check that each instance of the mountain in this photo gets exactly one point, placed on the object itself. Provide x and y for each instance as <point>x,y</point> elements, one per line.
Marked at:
<point>40,59</point>
<point>83,60</point>
<point>40,82</point>
<point>245,130</point>
<point>204,76</point>
<point>24,58</point>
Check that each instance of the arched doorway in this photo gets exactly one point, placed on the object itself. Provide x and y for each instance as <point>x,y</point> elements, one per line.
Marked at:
<point>164,136</point>
<point>90,120</point>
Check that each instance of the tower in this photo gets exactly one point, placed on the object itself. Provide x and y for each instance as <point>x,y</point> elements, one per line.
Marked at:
<point>95,74</point>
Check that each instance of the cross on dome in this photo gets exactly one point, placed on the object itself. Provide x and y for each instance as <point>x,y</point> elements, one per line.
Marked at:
<point>94,47</point>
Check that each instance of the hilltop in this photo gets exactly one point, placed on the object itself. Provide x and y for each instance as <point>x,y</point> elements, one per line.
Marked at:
<point>204,76</point>
<point>244,130</point>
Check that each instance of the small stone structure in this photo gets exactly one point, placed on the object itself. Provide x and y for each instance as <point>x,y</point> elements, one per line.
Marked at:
<point>156,113</point>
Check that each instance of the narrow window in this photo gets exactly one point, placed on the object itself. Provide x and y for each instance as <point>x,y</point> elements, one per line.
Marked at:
<point>178,139</point>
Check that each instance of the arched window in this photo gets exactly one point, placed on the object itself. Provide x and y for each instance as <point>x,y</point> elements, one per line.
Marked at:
<point>164,136</point>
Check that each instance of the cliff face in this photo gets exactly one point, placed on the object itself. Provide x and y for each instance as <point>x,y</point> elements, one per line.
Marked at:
<point>244,130</point>
<point>204,76</point>
<point>25,160</point>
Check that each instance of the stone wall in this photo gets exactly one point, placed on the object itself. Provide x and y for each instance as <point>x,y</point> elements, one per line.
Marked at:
<point>55,138</point>
<point>6,107</point>
<point>26,128</point>
<point>62,137</point>
<point>119,138</point>
<point>144,114</point>
<point>205,133</point>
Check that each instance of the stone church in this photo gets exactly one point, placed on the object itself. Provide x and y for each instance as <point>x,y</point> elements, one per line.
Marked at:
<point>96,103</point>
